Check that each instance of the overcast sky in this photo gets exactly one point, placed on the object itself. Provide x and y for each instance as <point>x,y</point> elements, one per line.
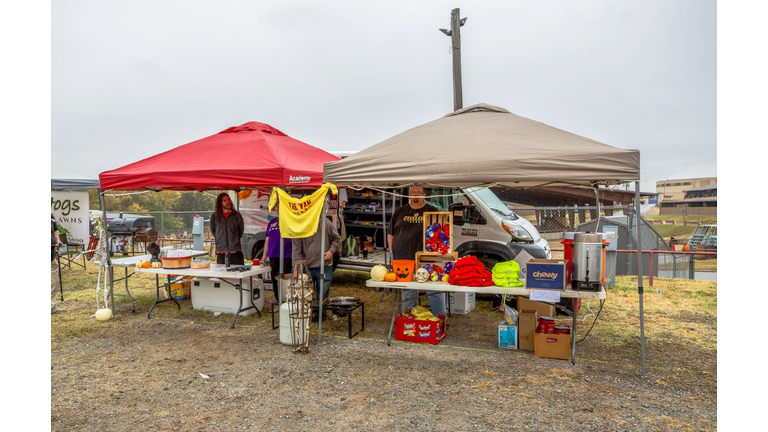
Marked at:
<point>132,78</point>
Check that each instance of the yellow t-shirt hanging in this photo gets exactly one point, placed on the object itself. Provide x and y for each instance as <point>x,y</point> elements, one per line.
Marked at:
<point>299,216</point>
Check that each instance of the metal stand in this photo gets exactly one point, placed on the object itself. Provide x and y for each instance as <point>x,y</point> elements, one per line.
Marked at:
<point>347,310</point>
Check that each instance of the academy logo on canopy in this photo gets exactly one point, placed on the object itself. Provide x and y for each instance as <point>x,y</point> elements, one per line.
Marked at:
<point>298,179</point>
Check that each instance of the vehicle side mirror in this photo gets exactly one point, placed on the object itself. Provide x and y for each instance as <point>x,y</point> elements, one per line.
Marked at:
<point>458,213</point>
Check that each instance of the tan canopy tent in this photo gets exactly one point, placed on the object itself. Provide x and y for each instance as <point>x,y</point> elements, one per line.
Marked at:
<point>484,144</point>
<point>487,145</point>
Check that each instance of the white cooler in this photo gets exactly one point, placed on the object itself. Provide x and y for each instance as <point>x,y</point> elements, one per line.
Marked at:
<point>215,295</point>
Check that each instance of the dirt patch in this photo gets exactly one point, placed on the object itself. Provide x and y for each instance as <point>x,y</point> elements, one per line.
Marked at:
<point>183,371</point>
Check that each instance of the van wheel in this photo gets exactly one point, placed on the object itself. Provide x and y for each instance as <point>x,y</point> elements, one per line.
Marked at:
<point>488,261</point>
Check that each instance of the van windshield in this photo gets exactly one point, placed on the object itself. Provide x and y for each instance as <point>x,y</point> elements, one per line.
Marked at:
<point>492,201</point>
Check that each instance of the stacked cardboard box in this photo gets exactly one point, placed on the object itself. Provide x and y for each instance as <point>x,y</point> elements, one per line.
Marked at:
<point>557,346</point>
<point>527,322</point>
<point>543,309</point>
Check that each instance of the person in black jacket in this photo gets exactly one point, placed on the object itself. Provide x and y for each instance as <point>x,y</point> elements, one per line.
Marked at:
<point>227,228</point>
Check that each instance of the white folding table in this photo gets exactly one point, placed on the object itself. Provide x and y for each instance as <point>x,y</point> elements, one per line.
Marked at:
<point>130,262</point>
<point>217,271</point>
<point>446,287</point>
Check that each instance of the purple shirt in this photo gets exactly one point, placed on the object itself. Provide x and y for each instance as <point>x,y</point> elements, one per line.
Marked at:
<point>273,243</point>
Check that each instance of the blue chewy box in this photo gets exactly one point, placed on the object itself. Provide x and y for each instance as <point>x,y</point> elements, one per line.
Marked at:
<point>507,336</point>
<point>545,274</point>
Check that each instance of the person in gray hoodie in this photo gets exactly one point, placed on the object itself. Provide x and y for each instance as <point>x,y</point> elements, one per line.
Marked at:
<point>227,228</point>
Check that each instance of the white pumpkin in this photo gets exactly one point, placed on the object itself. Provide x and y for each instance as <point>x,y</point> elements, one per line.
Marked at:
<point>378,272</point>
<point>103,314</point>
<point>421,275</point>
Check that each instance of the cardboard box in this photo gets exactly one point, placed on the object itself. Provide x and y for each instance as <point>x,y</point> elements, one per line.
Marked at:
<point>557,346</point>
<point>215,295</point>
<point>544,309</point>
<point>546,274</point>
<point>420,330</point>
<point>461,303</point>
<point>507,336</point>
<point>522,259</point>
<point>179,290</point>
<point>528,320</point>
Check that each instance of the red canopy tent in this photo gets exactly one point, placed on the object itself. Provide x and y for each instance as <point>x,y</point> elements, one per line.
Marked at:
<point>246,156</point>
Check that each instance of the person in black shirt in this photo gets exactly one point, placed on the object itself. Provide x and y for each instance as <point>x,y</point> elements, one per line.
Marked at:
<point>405,238</point>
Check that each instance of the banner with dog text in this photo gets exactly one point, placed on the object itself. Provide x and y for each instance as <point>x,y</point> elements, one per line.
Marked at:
<point>70,209</point>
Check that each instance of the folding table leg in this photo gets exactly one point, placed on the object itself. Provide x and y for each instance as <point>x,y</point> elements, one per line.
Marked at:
<point>61,283</point>
<point>573,334</point>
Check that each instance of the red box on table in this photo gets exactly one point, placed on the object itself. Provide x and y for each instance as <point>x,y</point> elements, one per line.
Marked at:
<point>420,330</point>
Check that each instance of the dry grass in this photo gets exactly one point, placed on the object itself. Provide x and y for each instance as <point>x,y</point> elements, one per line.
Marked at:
<point>104,373</point>
<point>684,311</point>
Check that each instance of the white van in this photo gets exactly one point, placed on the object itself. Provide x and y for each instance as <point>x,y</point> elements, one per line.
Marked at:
<point>483,225</point>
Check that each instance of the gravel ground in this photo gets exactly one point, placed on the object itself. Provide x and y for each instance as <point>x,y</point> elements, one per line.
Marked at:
<point>168,374</point>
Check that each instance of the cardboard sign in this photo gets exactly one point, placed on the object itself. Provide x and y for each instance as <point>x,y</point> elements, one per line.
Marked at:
<point>545,296</point>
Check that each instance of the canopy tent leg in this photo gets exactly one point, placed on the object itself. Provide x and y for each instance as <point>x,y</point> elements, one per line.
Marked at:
<point>640,279</point>
<point>320,311</point>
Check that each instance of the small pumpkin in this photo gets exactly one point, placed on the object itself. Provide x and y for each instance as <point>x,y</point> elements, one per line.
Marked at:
<point>103,314</point>
<point>378,272</point>
<point>139,264</point>
<point>157,264</point>
<point>390,277</point>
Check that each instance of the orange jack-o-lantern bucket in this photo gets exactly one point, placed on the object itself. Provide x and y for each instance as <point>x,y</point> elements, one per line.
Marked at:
<point>403,269</point>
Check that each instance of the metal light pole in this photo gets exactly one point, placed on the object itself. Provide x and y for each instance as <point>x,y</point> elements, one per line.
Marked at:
<point>455,34</point>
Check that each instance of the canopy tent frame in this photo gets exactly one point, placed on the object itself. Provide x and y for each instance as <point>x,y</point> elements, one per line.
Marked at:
<point>485,145</point>
<point>252,155</point>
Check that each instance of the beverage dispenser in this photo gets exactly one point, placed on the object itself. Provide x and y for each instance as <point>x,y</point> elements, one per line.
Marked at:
<point>588,261</point>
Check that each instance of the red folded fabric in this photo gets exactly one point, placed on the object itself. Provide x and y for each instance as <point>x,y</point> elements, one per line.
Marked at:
<point>472,281</point>
<point>469,271</point>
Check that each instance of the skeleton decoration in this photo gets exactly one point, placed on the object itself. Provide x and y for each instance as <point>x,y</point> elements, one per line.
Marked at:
<point>300,293</point>
<point>100,255</point>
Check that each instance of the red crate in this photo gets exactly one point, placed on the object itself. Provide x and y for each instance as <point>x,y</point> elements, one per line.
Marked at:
<point>420,330</point>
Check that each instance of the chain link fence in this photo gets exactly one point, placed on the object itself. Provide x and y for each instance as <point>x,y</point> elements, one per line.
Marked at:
<point>658,258</point>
